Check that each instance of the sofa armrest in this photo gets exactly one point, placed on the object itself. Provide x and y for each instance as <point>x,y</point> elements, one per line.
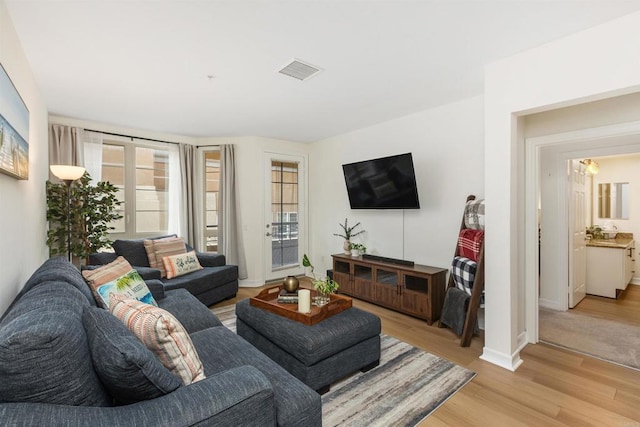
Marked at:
<point>208,259</point>
<point>157,288</point>
<point>240,396</point>
<point>101,258</point>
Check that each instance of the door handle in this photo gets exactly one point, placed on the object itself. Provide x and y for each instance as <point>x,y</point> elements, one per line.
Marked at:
<point>268,234</point>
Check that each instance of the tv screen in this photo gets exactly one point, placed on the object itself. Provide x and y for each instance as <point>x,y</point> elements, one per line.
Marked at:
<point>384,183</point>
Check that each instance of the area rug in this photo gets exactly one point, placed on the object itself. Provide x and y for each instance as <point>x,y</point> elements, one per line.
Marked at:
<point>407,386</point>
<point>592,336</point>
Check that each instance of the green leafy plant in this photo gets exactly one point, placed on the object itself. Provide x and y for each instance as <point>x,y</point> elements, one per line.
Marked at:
<point>325,286</point>
<point>358,247</point>
<point>348,232</point>
<point>92,211</point>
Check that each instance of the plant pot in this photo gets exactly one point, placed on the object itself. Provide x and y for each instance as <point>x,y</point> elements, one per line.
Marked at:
<point>347,247</point>
<point>355,252</point>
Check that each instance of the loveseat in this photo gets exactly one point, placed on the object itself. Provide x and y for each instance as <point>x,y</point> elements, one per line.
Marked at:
<point>53,339</point>
<point>214,283</point>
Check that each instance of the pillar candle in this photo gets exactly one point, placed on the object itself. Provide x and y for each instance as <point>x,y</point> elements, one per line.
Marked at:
<point>304,300</point>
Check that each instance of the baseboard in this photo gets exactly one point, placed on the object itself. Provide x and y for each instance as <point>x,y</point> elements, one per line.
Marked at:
<point>246,283</point>
<point>509,362</point>
<point>635,281</point>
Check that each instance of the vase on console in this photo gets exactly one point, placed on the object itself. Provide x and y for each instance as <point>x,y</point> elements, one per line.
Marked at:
<point>347,247</point>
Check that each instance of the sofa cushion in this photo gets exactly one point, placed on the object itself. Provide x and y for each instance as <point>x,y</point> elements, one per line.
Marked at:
<point>117,277</point>
<point>44,352</point>
<point>154,261</point>
<point>190,312</point>
<point>54,269</point>
<point>179,265</point>
<point>203,280</point>
<point>133,250</point>
<point>162,334</point>
<point>125,366</point>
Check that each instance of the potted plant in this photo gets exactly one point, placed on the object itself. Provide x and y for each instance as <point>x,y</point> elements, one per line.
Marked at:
<point>325,286</point>
<point>91,212</point>
<point>357,249</point>
<point>347,234</point>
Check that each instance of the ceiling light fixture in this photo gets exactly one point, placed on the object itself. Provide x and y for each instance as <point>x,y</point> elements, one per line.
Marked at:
<point>592,167</point>
<point>299,70</point>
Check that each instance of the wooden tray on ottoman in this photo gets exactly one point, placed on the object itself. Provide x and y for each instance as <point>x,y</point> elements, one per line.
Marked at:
<point>268,300</point>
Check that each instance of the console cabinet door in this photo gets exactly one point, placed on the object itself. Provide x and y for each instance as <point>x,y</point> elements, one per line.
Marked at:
<point>363,281</point>
<point>415,295</point>
<point>342,274</point>
<point>386,291</point>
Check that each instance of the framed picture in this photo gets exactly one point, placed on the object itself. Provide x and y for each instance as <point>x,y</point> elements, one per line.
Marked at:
<point>14,130</point>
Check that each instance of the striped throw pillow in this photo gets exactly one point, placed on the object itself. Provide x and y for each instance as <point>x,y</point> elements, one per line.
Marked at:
<point>167,247</point>
<point>161,333</point>
<point>178,265</point>
<point>117,277</point>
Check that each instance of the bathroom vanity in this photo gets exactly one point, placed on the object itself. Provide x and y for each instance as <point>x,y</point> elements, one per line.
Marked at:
<point>610,265</point>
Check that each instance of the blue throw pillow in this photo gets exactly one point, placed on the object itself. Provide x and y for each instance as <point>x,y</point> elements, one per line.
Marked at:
<point>127,369</point>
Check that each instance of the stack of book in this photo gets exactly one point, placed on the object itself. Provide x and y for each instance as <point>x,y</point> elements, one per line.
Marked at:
<point>288,297</point>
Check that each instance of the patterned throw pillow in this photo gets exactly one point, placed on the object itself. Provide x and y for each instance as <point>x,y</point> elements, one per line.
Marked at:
<point>178,265</point>
<point>161,333</point>
<point>167,247</point>
<point>117,277</point>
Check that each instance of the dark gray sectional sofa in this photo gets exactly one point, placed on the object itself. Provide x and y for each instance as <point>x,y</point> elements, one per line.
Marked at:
<point>50,349</point>
<point>216,282</point>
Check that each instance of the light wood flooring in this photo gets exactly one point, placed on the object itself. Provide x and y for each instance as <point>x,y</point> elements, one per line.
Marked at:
<point>553,387</point>
<point>626,308</point>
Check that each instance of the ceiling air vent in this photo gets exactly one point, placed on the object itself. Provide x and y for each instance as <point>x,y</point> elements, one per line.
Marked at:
<point>299,70</point>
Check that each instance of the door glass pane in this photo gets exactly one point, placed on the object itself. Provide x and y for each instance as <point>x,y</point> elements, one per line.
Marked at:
<point>152,190</point>
<point>211,199</point>
<point>284,210</point>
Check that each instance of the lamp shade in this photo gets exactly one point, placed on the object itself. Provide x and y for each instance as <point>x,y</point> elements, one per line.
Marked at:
<point>67,172</point>
<point>592,167</point>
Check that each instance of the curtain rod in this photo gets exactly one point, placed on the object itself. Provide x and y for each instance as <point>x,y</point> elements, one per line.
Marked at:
<point>132,137</point>
<point>144,139</point>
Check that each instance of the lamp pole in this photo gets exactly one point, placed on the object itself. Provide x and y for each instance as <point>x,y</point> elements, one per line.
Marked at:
<point>68,174</point>
<point>68,183</point>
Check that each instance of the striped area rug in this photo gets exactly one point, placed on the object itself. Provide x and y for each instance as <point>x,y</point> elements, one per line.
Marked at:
<point>405,388</point>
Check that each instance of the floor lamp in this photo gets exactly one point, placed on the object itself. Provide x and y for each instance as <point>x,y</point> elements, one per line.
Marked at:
<point>68,174</point>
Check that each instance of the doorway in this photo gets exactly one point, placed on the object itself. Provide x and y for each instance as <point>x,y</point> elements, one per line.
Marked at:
<point>547,210</point>
<point>284,215</point>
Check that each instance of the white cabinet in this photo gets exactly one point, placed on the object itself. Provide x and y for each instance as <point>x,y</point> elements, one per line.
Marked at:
<point>609,269</point>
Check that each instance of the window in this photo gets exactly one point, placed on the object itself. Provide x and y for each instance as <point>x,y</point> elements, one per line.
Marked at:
<point>141,174</point>
<point>211,199</point>
<point>284,209</point>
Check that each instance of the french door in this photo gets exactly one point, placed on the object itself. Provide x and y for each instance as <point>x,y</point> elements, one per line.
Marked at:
<point>285,221</point>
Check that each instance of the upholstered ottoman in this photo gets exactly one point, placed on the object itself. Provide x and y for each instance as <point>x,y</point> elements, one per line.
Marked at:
<point>320,354</point>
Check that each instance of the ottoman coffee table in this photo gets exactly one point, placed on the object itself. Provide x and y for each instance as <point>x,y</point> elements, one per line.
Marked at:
<point>317,354</point>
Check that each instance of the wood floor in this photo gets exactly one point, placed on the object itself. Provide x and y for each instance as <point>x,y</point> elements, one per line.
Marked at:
<point>626,308</point>
<point>553,387</point>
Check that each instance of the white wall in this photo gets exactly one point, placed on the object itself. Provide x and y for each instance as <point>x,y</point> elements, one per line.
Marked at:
<point>447,147</point>
<point>22,216</point>
<point>594,64</point>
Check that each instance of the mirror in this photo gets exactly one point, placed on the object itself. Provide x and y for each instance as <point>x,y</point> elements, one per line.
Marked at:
<point>613,200</point>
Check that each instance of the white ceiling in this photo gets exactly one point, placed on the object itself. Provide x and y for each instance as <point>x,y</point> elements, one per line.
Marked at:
<point>145,64</point>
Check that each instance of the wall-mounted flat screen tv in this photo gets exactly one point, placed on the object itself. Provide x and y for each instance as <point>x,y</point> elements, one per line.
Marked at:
<point>384,183</point>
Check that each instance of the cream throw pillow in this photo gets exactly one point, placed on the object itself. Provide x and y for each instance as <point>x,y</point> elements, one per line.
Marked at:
<point>178,265</point>
<point>117,277</point>
<point>161,333</point>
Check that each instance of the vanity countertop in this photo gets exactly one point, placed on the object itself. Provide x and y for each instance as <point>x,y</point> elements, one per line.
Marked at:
<point>620,242</point>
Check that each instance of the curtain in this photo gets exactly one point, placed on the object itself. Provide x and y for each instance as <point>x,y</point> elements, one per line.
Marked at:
<point>230,240</point>
<point>188,162</point>
<point>65,146</point>
<point>93,155</point>
<point>175,212</point>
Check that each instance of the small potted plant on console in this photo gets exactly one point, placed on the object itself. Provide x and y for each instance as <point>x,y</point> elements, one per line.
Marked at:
<point>348,233</point>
